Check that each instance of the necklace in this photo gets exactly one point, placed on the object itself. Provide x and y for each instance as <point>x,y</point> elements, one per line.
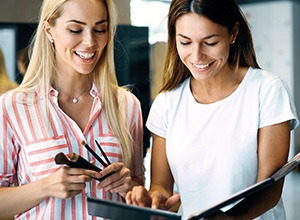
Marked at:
<point>75,99</point>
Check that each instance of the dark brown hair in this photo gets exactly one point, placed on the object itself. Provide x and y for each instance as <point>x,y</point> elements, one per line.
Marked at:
<point>224,12</point>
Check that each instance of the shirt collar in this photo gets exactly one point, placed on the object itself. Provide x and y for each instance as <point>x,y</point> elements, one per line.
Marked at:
<point>53,93</point>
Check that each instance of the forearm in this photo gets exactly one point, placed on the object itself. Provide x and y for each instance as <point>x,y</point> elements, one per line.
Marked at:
<point>19,199</point>
<point>257,204</point>
<point>136,181</point>
<point>166,192</point>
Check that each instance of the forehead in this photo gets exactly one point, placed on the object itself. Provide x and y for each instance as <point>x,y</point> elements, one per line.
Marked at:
<point>84,10</point>
<point>195,25</point>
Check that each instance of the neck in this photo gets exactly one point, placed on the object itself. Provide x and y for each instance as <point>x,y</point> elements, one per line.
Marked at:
<point>220,87</point>
<point>73,90</point>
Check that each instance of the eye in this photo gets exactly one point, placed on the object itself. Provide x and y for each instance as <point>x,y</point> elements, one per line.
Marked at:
<point>75,31</point>
<point>100,31</point>
<point>211,44</point>
<point>184,43</point>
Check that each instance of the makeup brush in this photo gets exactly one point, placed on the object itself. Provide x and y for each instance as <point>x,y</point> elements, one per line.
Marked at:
<point>76,161</point>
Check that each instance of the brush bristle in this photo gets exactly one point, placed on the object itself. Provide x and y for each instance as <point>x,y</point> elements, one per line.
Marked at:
<point>61,158</point>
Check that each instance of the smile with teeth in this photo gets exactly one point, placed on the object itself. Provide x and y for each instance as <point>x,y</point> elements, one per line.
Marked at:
<point>201,66</point>
<point>85,55</point>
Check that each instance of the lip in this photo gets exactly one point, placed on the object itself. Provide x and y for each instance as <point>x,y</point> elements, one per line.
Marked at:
<point>86,56</point>
<point>202,67</point>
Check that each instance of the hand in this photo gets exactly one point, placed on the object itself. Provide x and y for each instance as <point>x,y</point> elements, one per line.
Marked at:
<point>142,197</point>
<point>67,182</point>
<point>119,181</point>
<point>139,196</point>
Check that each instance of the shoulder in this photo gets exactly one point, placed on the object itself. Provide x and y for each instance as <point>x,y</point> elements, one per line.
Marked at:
<point>8,102</point>
<point>9,98</point>
<point>16,98</point>
<point>126,97</point>
<point>174,94</point>
<point>263,76</point>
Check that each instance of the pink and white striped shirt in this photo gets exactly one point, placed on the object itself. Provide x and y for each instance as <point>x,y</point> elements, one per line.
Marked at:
<point>29,141</point>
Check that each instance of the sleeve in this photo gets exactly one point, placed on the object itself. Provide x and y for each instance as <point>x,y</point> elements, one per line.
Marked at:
<point>157,121</point>
<point>8,150</point>
<point>136,131</point>
<point>277,105</point>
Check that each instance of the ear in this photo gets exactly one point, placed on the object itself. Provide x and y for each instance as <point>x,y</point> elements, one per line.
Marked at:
<point>48,31</point>
<point>235,31</point>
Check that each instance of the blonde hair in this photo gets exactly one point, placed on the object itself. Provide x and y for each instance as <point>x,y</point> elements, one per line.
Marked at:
<point>41,71</point>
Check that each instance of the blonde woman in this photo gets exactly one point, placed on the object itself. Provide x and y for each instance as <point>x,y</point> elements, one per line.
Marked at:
<point>69,96</point>
<point>6,83</point>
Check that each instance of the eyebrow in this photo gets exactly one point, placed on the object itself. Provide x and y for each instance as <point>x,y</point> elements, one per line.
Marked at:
<point>83,23</point>
<point>205,38</point>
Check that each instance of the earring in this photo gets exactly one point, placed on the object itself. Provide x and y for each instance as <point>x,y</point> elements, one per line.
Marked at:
<point>51,41</point>
<point>232,42</point>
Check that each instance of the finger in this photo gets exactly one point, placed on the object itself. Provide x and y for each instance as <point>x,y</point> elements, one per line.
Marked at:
<point>114,167</point>
<point>128,197</point>
<point>141,195</point>
<point>116,179</point>
<point>172,201</point>
<point>106,182</point>
<point>121,187</point>
<point>73,187</point>
<point>68,194</point>
<point>156,201</point>
<point>82,172</point>
<point>134,195</point>
<point>74,193</point>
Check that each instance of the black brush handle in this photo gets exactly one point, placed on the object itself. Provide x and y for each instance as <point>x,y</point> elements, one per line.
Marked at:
<point>78,162</point>
<point>83,163</point>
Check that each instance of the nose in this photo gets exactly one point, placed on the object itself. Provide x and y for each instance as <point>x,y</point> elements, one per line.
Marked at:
<point>198,53</point>
<point>88,39</point>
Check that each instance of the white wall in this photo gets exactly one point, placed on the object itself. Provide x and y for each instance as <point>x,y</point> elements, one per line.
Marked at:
<point>274,30</point>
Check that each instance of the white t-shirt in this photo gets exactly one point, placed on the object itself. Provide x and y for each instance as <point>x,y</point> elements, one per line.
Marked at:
<point>212,148</point>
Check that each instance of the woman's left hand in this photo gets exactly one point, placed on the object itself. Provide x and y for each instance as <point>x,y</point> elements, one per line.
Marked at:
<point>119,181</point>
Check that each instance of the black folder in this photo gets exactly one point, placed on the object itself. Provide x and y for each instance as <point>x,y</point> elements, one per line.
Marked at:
<point>119,211</point>
<point>282,172</point>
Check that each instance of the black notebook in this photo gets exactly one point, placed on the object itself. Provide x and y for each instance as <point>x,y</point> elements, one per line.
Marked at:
<point>119,211</point>
<point>282,172</point>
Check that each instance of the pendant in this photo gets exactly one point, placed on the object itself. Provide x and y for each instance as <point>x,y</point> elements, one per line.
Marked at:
<point>75,100</point>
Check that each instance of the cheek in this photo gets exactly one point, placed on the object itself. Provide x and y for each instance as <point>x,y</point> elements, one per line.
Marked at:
<point>183,52</point>
<point>224,51</point>
<point>101,42</point>
<point>220,53</point>
<point>65,45</point>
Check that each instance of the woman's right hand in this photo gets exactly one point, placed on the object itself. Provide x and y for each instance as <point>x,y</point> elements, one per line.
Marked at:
<point>142,197</point>
<point>67,182</point>
<point>139,196</point>
<point>64,183</point>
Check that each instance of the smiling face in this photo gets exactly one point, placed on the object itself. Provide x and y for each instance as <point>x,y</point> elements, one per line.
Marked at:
<point>80,35</point>
<point>203,46</point>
